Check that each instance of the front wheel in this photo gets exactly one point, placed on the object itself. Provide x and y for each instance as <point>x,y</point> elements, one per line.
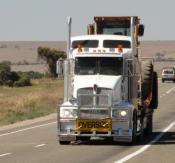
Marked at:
<point>140,137</point>
<point>149,126</point>
<point>134,132</point>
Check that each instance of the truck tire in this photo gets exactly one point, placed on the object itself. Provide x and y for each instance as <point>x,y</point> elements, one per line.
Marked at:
<point>154,101</point>
<point>146,79</point>
<point>134,132</point>
<point>149,126</point>
<point>64,142</point>
<point>140,137</point>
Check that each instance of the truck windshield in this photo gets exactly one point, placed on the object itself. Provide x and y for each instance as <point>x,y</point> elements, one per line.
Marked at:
<point>119,27</point>
<point>98,65</point>
<point>114,43</point>
<point>85,43</point>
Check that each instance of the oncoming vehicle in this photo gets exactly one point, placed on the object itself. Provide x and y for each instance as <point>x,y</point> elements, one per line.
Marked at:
<point>168,74</point>
<point>109,90</point>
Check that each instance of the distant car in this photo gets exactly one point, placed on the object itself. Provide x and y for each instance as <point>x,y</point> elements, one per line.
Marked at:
<point>168,74</point>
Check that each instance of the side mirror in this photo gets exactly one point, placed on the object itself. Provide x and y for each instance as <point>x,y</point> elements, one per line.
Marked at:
<point>59,68</point>
<point>141,29</point>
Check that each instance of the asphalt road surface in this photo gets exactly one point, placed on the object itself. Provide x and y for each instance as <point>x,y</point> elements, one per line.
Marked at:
<point>38,143</point>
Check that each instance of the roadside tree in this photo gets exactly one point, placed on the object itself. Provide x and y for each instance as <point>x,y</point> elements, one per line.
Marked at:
<point>50,56</point>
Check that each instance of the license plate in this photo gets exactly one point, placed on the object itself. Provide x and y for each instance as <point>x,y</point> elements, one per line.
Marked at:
<point>100,125</point>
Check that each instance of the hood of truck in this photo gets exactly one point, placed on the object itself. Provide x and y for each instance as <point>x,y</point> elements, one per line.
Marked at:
<point>103,81</point>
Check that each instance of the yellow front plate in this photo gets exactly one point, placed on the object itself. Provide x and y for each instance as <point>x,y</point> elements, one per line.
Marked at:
<point>100,125</point>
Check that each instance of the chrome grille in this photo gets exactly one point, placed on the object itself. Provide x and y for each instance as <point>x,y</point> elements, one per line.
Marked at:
<point>93,100</point>
<point>85,91</point>
<point>87,98</point>
<point>94,113</point>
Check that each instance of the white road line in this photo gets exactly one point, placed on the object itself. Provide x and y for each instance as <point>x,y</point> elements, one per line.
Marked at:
<point>145,147</point>
<point>40,145</point>
<point>5,154</point>
<point>29,128</point>
<point>170,90</point>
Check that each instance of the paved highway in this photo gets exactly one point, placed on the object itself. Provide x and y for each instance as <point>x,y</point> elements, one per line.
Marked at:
<point>37,142</point>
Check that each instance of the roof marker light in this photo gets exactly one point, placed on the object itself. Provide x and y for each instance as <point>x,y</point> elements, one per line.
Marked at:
<point>120,48</point>
<point>79,48</point>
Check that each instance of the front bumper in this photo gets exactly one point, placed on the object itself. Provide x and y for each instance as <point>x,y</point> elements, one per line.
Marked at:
<point>121,131</point>
<point>168,78</point>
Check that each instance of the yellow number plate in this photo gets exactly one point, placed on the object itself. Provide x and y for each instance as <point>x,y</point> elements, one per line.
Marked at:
<point>100,125</point>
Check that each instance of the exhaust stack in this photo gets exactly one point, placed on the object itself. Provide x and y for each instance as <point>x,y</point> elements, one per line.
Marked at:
<point>67,78</point>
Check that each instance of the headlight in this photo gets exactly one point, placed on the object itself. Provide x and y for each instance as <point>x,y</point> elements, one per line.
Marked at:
<point>123,113</point>
<point>120,113</point>
<point>68,113</point>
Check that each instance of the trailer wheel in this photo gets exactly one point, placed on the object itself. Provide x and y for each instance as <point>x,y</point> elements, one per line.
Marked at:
<point>64,142</point>
<point>154,101</point>
<point>146,83</point>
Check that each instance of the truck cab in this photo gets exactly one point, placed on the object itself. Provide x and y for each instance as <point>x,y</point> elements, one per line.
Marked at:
<point>108,91</point>
<point>100,100</point>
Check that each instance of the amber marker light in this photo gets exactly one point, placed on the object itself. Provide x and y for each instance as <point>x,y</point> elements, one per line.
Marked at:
<point>80,48</point>
<point>120,48</point>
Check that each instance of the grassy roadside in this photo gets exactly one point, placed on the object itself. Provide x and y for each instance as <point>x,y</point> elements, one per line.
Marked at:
<point>17,104</point>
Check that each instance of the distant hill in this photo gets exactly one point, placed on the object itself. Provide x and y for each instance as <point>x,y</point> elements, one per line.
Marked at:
<point>150,48</point>
<point>25,50</point>
<point>21,51</point>
<point>18,52</point>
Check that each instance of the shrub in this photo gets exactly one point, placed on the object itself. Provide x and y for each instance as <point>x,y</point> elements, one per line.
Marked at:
<point>35,75</point>
<point>50,56</point>
<point>23,81</point>
<point>5,71</point>
<point>12,78</point>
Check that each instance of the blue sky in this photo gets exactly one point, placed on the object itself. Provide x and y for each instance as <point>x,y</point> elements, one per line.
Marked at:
<point>45,20</point>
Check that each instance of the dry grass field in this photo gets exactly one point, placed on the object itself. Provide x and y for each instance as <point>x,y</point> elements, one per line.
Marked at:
<point>21,103</point>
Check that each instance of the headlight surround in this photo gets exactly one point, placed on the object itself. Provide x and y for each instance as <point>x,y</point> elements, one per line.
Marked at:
<point>68,113</point>
<point>120,113</point>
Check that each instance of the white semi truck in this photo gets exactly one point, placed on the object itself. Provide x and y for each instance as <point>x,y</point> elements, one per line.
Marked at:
<point>109,90</point>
